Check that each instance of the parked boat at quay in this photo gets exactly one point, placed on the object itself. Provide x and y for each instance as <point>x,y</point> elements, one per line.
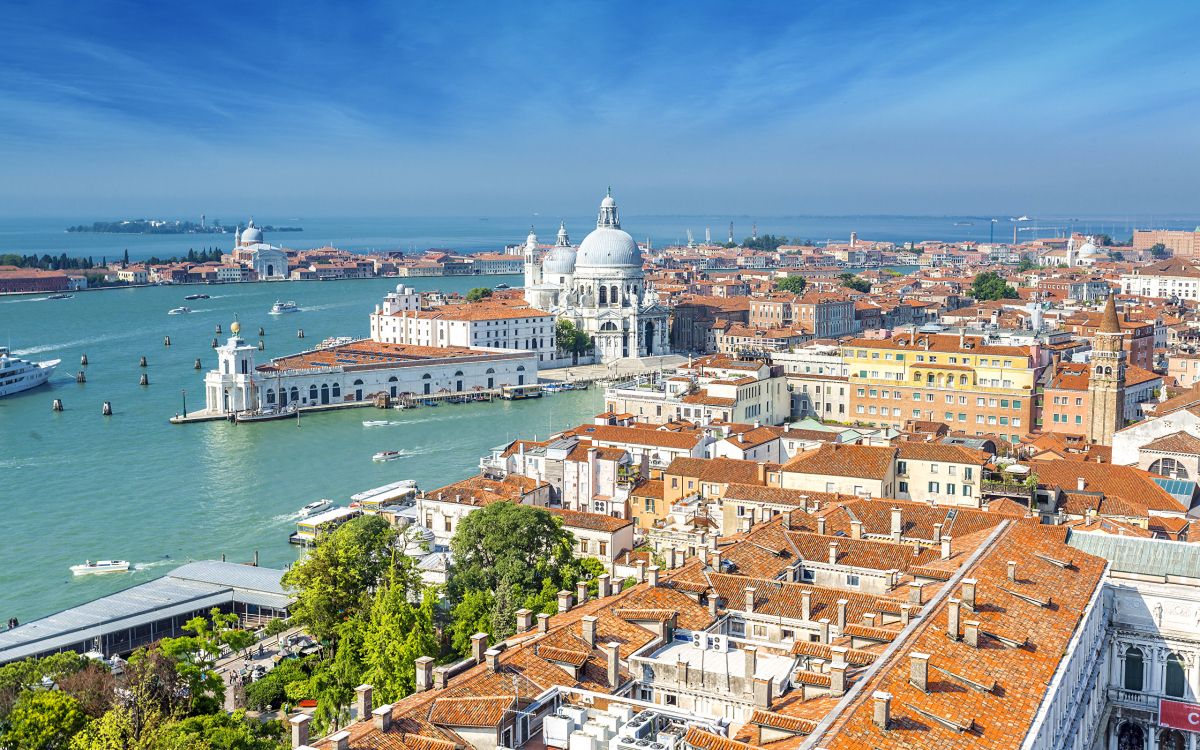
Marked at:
<point>396,493</point>
<point>309,528</point>
<point>18,374</point>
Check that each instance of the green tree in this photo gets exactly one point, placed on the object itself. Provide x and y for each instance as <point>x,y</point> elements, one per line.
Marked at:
<point>990,285</point>
<point>42,719</point>
<point>1158,251</point>
<point>221,731</point>
<point>196,656</point>
<point>571,340</point>
<point>1026,265</point>
<point>478,293</point>
<point>399,633</point>
<point>793,284</point>
<point>28,674</point>
<point>333,581</point>
<point>472,614</point>
<point>275,627</point>
<point>855,282</point>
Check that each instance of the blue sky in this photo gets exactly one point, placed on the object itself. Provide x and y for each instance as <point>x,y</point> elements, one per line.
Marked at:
<point>128,108</point>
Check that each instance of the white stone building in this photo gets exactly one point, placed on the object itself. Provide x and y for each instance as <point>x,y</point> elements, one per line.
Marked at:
<point>600,288</point>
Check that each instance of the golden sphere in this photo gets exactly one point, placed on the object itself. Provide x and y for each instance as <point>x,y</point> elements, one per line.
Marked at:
<point>235,327</point>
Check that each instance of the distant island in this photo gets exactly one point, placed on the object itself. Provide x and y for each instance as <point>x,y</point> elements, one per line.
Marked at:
<point>157,226</point>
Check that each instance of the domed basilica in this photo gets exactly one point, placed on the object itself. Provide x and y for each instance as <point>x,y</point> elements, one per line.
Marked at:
<point>599,287</point>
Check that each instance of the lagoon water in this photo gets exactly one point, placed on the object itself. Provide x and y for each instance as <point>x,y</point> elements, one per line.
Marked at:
<point>77,485</point>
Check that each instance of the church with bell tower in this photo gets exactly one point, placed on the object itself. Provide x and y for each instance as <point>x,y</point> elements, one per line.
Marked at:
<point>1106,386</point>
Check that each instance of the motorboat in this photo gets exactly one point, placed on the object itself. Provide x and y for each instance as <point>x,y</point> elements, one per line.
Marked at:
<point>60,295</point>
<point>18,374</point>
<point>196,296</point>
<point>264,415</point>
<point>314,507</point>
<point>179,311</point>
<point>376,423</point>
<point>100,566</point>
<point>386,456</point>
<point>280,308</point>
<point>502,286</point>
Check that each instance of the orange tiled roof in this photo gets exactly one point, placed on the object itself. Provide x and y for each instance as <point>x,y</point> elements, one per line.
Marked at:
<point>865,461</point>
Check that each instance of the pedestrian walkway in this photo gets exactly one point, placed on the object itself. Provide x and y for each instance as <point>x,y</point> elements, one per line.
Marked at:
<point>616,370</point>
<point>232,667</point>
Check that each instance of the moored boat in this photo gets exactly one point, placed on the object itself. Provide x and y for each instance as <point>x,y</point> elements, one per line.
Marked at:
<point>100,566</point>
<point>18,374</point>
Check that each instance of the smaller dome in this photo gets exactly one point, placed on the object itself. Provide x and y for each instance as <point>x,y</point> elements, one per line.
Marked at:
<point>1087,249</point>
<point>608,202</point>
<point>559,261</point>
<point>251,235</point>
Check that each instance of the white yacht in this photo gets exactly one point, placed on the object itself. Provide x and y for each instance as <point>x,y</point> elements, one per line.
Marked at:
<point>314,507</point>
<point>179,311</point>
<point>100,566</point>
<point>279,308</point>
<point>18,374</point>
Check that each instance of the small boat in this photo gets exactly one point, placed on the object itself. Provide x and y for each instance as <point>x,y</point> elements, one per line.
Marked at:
<point>100,566</point>
<point>196,296</point>
<point>60,295</point>
<point>179,311</point>
<point>386,456</point>
<point>280,308</point>
<point>402,406</point>
<point>376,423</point>
<point>502,286</point>
<point>314,507</point>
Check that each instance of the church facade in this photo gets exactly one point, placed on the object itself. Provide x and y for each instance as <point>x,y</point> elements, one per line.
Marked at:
<point>600,288</point>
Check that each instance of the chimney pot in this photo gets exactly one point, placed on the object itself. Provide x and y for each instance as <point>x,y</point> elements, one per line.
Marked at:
<point>1080,483</point>
<point>543,622</point>
<point>821,525</point>
<point>937,532</point>
<point>968,593</point>
<point>882,712</point>
<point>823,623</point>
<point>837,679</point>
<point>947,547</point>
<point>589,630</point>
<point>971,633</point>
<point>653,577</point>
<point>492,656</point>
<point>424,667</point>
<point>581,591</point>
<point>750,599</point>
<point>478,646</point>
<point>1012,570</point>
<point>842,605</point>
<point>714,603</point>
<point>524,620</point>
<point>750,654</point>
<point>833,553</point>
<point>897,524</point>
<point>915,594</point>
<point>564,601</point>
<point>641,571</point>
<point>614,664</point>
<point>672,559</point>
<point>714,560</point>
<point>905,614</point>
<point>341,740</point>
<point>299,724</point>
<point>787,520</point>
<point>856,529</point>
<point>362,701</point>
<point>806,605</point>
<point>952,615</point>
<point>382,717</point>
<point>440,676</point>
<point>603,589</point>
<point>920,671</point>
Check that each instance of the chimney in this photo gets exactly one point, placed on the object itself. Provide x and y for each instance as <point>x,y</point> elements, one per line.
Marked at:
<point>589,630</point>
<point>762,694</point>
<point>714,560</point>
<point>603,590</point>
<point>382,717</point>
<point>882,713</point>
<point>762,472</point>
<point>681,671</point>
<point>821,525</point>
<point>971,633</point>
<point>543,622</point>
<point>478,646</point>
<point>947,547</point>
<point>968,593</point>
<point>856,529</point>
<point>787,520</point>
<point>341,740</point>
<point>1080,483</point>
<point>920,671</point>
<point>937,533</point>
<point>869,619</point>
<point>653,577</point>
<point>839,654</point>
<point>914,592</point>
<point>1012,570</point>
<point>641,571</point>
<point>362,701</point>
<point>492,657</point>
<point>842,605</point>
<point>524,620</point>
<point>833,549</point>
<point>564,601</point>
<point>750,655</point>
<point>806,605</point>
<point>440,675</point>
<point>824,629</point>
<point>750,599</point>
<point>299,724</point>
<point>581,592</point>
<point>897,524</point>
<point>672,560</point>
<point>837,679</point>
<point>714,603</point>
<point>614,663</point>
<point>952,619</point>
<point>424,667</point>
<point>905,614</point>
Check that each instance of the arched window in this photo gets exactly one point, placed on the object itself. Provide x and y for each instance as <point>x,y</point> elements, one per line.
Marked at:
<point>613,294</point>
<point>1131,737</point>
<point>491,371</point>
<point>604,295</point>
<point>929,378</point>
<point>1169,467</point>
<point>295,394</point>
<point>358,382</point>
<point>962,380</point>
<point>270,395</point>
<point>520,368</point>
<point>337,390</point>
<point>1171,739</point>
<point>1175,681</point>
<point>609,326</point>
<point>312,393</point>
<point>458,373</point>
<point>426,376</point>
<point>917,376</point>
<point>1134,676</point>
<point>393,379</point>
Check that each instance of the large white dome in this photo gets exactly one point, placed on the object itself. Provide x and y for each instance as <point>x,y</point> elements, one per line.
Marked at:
<point>608,246</point>
<point>251,235</point>
<point>560,261</point>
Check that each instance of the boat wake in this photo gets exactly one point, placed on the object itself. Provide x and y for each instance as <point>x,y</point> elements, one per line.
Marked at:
<point>155,564</point>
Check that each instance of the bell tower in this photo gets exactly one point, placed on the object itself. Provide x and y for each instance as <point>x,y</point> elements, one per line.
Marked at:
<point>1106,387</point>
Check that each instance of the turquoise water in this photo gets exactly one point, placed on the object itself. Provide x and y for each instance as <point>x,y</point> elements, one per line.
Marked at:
<point>76,485</point>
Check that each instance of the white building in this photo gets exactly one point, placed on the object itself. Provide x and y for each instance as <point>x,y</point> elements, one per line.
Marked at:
<point>600,288</point>
<point>231,387</point>
<point>1174,277</point>
<point>267,261</point>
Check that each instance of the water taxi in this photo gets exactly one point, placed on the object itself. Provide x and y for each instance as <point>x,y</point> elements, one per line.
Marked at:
<point>386,456</point>
<point>315,507</point>
<point>179,311</point>
<point>502,286</point>
<point>61,295</point>
<point>100,566</point>
<point>376,423</point>
<point>279,308</point>
<point>18,374</point>
<point>196,296</point>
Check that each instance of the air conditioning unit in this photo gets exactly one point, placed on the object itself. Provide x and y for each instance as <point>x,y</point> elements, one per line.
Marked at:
<point>577,714</point>
<point>667,741</point>
<point>583,741</point>
<point>556,730</point>
<point>622,712</point>
<point>699,639</point>
<point>719,643</point>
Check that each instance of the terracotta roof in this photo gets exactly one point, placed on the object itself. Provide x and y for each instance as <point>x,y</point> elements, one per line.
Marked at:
<point>472,711</point>
<point>1176,442</point>
<point>722,470</point>
<point>638,436</point>
<point>937,343</point>
<point>1132,485</point>
<point>591,521</point>
<point>864,461</point>
<point>779,496</point>
<point>920,451</point>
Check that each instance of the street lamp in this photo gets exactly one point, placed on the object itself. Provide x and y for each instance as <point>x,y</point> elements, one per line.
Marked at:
<point>184,392</point>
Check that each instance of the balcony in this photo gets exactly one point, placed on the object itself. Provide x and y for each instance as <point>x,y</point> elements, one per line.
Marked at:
<point>1134,698</point>
<point>1009,489</point>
